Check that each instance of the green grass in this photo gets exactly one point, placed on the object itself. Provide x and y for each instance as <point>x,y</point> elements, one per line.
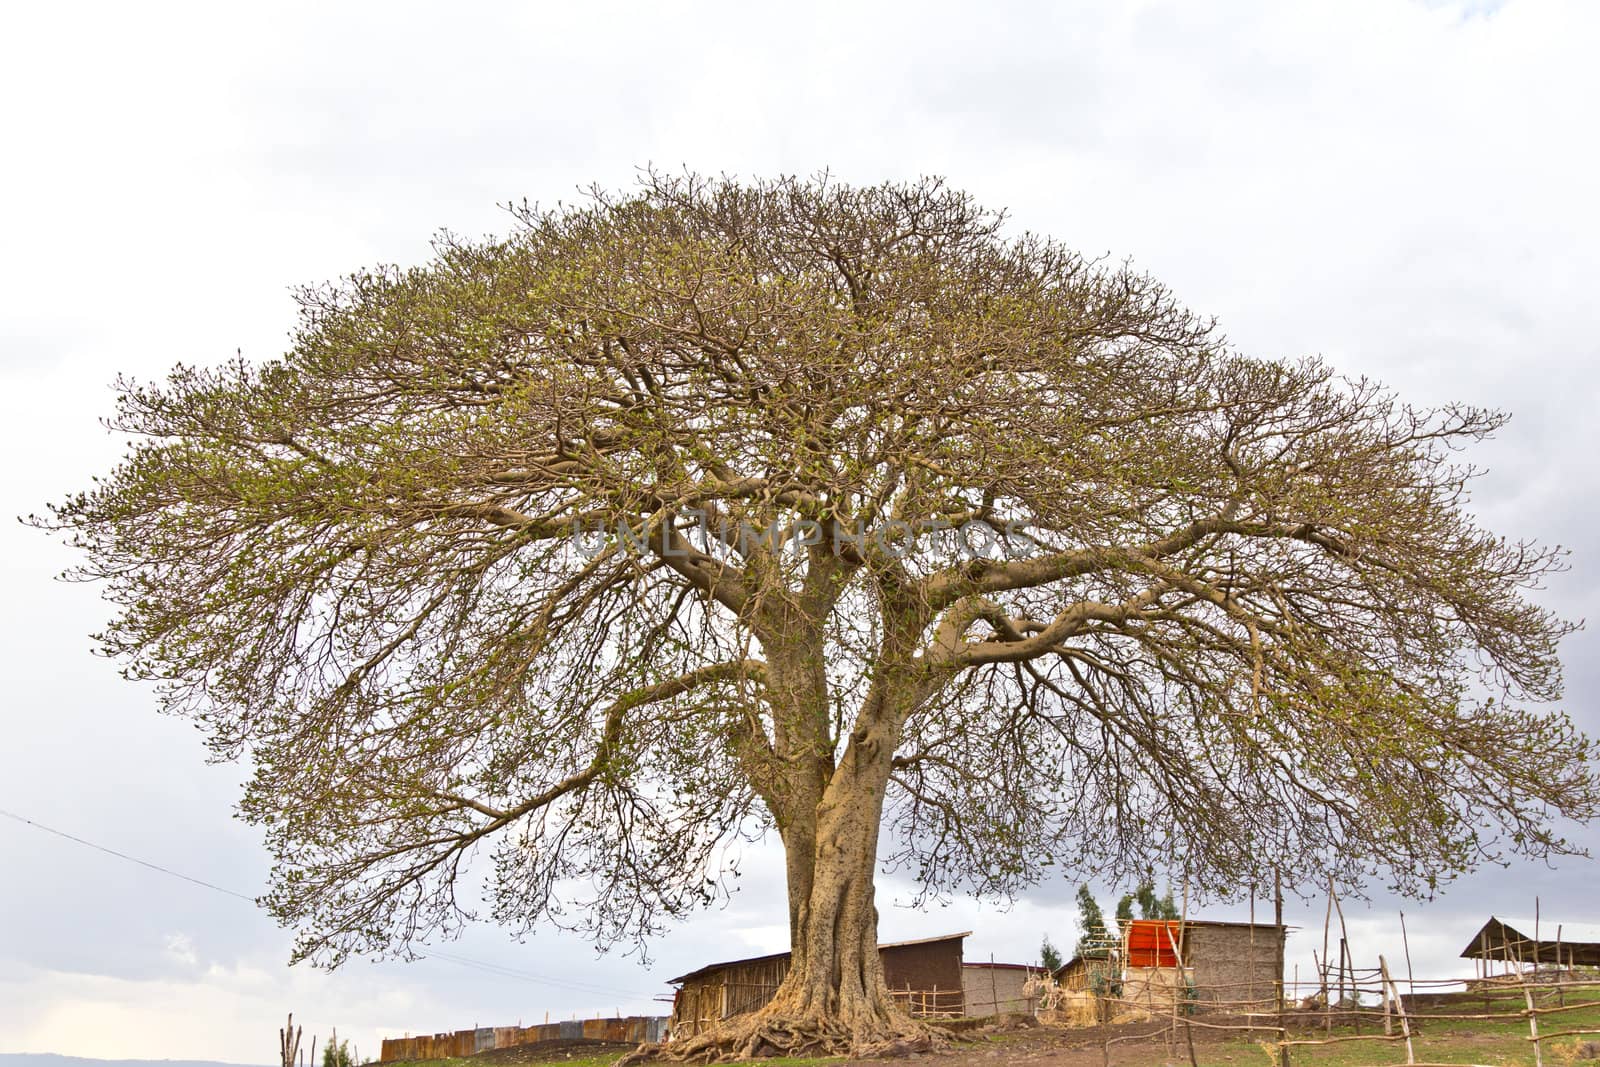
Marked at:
<point>1487,1041</point>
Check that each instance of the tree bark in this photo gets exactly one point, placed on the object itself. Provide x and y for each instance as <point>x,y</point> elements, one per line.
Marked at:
<point>833,999</point>
<point>834,969</point>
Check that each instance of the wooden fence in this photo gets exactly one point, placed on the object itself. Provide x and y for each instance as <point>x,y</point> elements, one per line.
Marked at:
<point>932,1003</point>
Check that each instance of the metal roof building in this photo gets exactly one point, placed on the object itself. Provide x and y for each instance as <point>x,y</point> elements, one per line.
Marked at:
<point>1526,940</point>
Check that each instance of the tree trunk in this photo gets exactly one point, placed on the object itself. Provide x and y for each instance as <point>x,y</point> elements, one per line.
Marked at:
<point>833,999</point>
<point>834,970</point>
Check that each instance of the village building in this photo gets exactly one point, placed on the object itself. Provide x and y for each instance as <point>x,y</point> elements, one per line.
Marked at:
<point>925,976</point>
<point>1090,973</point>
<point>997,988</point>
<point>1225,966</point>
<point>1506,945</point>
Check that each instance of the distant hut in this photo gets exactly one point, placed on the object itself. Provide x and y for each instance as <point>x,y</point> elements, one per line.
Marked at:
<point>925,976</point>
<point>1504,946</point>
<point>1227,966</point>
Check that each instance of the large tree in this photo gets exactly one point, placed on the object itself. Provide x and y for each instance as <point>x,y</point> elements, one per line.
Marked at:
<point>889,521</point>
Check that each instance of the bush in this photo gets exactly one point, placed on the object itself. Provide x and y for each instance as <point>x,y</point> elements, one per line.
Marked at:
<point>337,1054</point>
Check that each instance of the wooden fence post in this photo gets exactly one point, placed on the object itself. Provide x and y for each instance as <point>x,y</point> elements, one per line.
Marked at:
<point>1400,1008</point>
<point>1533,1020</point>
<point>1183,987</point>
<point>1411,978</point>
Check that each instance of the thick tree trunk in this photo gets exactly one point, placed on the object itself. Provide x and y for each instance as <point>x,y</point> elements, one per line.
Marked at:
<point>833,999</point>
<point>834,971</point>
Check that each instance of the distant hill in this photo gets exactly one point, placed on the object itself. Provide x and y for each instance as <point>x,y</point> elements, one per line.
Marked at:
<point>50,1059</point>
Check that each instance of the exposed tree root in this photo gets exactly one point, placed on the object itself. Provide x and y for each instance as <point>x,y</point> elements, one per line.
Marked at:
<point>763,1034</point>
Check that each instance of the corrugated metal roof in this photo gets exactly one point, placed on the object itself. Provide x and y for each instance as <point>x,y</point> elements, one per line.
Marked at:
<point>923,940</point>
<point>1243,924</point>
<point>1571,933</point>
<point>1149,942</point>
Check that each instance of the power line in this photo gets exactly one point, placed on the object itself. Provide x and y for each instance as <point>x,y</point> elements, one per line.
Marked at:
<point>496,969</point>
<point>122,855</point>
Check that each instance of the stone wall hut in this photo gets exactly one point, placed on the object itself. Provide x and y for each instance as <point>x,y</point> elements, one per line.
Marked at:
<point>1227,966</point>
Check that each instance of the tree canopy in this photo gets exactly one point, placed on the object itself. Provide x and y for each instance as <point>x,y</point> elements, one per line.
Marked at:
<point>1150,905</point>
<point>1049,956</point>
<point>1095,936</point>
<point>888,519</point>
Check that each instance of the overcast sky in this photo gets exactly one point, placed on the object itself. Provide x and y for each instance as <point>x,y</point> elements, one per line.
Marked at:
<point>1405,188</point>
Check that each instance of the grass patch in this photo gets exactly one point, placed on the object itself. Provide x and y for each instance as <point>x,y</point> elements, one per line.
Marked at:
<point>1436,1040</point>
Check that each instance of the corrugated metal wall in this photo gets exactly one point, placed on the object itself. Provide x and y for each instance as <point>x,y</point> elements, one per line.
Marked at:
<point>634,1029</point>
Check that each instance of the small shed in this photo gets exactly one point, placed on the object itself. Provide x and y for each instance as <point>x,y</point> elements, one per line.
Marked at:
<point>925,975</point>
<point>1511,942</point>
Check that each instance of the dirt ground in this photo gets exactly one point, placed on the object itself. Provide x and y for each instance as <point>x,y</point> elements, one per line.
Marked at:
<point>545,1052</point>
<point>1036,1045</point>
<point>1133,1046</point>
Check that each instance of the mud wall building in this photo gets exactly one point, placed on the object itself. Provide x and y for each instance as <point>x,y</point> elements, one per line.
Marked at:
<point>1237,964</point>
<point>1227,966</point>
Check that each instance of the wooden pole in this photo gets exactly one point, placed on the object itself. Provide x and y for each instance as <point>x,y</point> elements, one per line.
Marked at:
<point>1405,1025</point>
<point>994,988</point>
<point>1322,982</point>
<point>289,1042</point>
<point>1327,999</point>
<point>1252,993</point>
<point>1177,951</point>
<point>1561,974</point>
<point>1277,917</point>
<point>1533,1020</point>
<point>1388,1023</point>
<point>1411,980</point>
<point>1344,954</point>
